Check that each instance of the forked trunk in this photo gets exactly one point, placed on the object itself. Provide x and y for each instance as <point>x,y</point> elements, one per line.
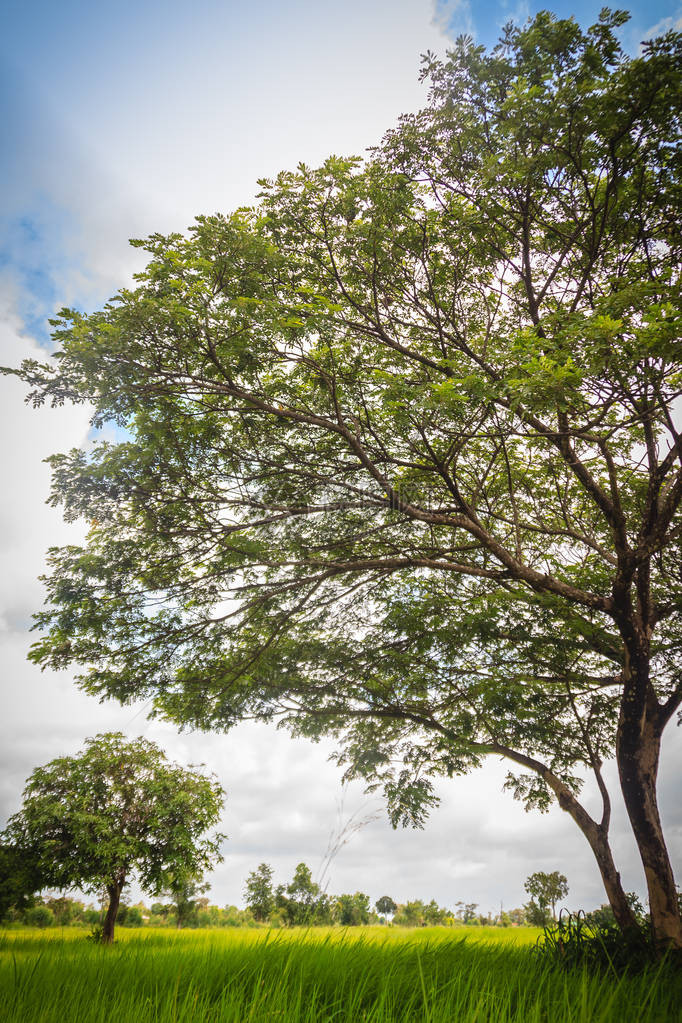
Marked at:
<point>114,893</point>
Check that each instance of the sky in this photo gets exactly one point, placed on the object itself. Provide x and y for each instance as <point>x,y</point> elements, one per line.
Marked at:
<point>122,120</point>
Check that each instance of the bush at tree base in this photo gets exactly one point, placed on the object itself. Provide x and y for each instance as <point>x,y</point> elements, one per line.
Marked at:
<point>573,941</point>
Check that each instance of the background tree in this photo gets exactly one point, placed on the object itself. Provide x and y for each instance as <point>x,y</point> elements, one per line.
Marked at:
<point>64,910</point>
<point>39,915</point>
<point>466,911</point>
<point>385,906</point>
<point>115,810</point>
<point>302,901</point>
<point>258,892</point>
<point>185,891</point>
<point>352,910</point>
<point>403,465</point>
<point>20,879</point>
<point>547,889</point>
<point>129,916</point>
<point>416,913</point>
<point>535,914</point>
<point>435,915</point>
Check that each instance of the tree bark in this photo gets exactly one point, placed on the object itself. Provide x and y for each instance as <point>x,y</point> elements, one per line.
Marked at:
<point>114,893</point>
<point>638,747</point>
<point>638,750</point>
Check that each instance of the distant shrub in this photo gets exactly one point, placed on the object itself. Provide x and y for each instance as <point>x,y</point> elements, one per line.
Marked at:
<point>604,917</point>
<point>133,917</point>
<point>352,910</point>
<point>39,916</point>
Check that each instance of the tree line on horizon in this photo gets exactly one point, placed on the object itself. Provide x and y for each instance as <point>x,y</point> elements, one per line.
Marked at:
<point>301,902</point>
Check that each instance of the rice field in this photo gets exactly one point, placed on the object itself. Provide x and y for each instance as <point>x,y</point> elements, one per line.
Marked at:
<point>370,974</point>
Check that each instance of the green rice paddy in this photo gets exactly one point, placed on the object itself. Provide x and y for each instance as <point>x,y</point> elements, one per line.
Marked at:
<point>368,975</point>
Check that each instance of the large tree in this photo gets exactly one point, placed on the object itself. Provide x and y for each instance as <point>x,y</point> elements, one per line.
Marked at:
<point>399,460</point>
<point>116,810</point>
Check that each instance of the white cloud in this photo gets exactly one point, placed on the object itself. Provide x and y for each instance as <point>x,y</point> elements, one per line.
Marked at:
<point>454,17</point>
<point>671,23</point>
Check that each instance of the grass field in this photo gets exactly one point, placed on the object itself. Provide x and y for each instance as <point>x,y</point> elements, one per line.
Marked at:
<point>370,974</point>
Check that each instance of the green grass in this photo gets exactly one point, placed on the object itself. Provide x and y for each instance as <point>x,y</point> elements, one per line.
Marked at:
<point>373,974</point>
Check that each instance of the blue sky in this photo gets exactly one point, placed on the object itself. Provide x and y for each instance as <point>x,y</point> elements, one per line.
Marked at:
<point>484,19</point>
<point>119,120</point>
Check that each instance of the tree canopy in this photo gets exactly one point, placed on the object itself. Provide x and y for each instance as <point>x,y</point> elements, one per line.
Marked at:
<point>302,901</point>
<point>385,905</point>
<point>400,461</point>
<point>117,810</point>
<point>547,889</point>
<point>258,892</point>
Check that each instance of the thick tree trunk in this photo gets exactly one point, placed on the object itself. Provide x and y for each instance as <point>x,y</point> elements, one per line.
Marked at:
<point>114,893</point>
<point>638,751</point>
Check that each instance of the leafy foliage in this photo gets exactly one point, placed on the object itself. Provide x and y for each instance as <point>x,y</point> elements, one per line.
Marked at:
<point>604,918</point>
<point>546,889</point>
<point>185,889</point>
<point>352,910</point>
<point>385,906</point>
<point>20,878</point>
<point>117,809</point>
<point>258,892</point>
<point>416,913</point>
<point>573,941</point>
<point>302,901</point>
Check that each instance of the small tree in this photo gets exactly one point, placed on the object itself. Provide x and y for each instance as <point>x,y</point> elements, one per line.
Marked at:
<point>466,911</point>
<point>118,808</point>
<point>185,891</point>
<point>39,915</point>
<point>130,916</point>
<point>410,914</point>
<point>385,906</point>
<point>435,915</point>
<point>258,892</point>
<point>547,889</point>
<point>302,901</point>
<point>603,917</point>
<point>65,910</point>
<point>535,914</point>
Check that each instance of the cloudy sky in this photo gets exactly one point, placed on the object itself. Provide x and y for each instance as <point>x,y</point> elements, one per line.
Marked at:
<point>121,120</point>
